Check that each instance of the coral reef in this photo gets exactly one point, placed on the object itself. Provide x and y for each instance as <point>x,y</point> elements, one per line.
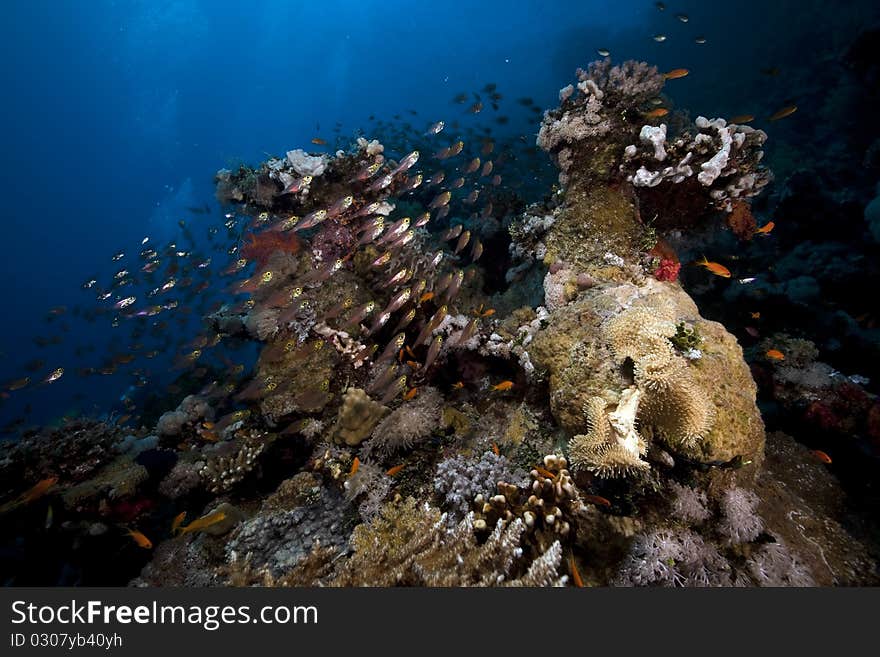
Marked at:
<point>358,416</point>
<point>454,384</point>
<point>409,545</point>
<point>460,479</point>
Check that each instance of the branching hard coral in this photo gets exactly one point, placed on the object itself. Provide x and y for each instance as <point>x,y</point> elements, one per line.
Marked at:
<point>407,425</point>
<point>550,505</point>
<point>228,463</point>
<point>594,113</point>
<point>409,545</point>
<point>611,447</point>
<point>459,479</point>
<point>740,523</point>
<point>723,158</point>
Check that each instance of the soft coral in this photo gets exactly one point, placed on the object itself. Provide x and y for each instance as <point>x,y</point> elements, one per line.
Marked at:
<point>260,246</point>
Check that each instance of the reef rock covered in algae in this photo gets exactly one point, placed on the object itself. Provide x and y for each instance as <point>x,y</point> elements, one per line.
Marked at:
<point>619,374</point>
<point>617,337</point>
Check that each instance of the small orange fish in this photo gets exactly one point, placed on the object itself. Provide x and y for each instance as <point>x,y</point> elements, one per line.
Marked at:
<point>413,364</point>
<point>208,425</point>
<point>597,499</point>
<point>123,419</point>
<point>742,118</point>
<point>716,268</point>
<point>785,111</point>
<point>657,113</point>
<point>676,73</point>
<point>755,315</point>
<point>209,436</point>
<point>204,522</point>
<point>395,470</point>
<point>504,385</point>
<point>775,354</point>
<point>177,522</point>
<point>458,385</point>
<point>766,228</point>
<point>40,488</point>
<point>355,465</point>
<point>139,538</point>
<point>18,384</point>
<point>575,573</point>
<point>427,296</point>
<point>319,142</point>
<point>479,312</point>
<point>410,394</point>
<point>495,450</point>
<point>822,456</point>
<point>544,472</point>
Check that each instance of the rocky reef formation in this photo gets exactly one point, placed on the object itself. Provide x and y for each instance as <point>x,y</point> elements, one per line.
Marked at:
<point>630,362</point>
<point>415,416</point>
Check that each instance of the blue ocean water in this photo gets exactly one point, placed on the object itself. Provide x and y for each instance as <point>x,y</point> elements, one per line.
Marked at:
<point>116,115</point>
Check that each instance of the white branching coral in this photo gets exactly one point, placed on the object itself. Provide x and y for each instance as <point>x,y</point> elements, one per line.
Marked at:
<point>725,156</point>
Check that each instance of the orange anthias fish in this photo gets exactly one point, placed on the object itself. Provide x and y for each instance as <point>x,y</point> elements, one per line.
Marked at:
<point>41,488</point>
<point>395,470</point>
<point>755,315</point>
<point>714,267</point>
<point>742,118</point>
<point>204,522</point>
<point>676,73</point>
<point>775,354</point>
<point>504,385</point>
<point>458,385</point>
<point>355,466</point>
<point>544,472</point>
<point>319,142</point>
<point>177,522</point>
<point>785,111</point>
<point>657,113</point>
<point>597,499</point>
<point>410,394</point>
<point>822,456</point>
<point>139,538</point>
<point>495,450</point>
<point>766,228</point>
<point>575,573</point>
